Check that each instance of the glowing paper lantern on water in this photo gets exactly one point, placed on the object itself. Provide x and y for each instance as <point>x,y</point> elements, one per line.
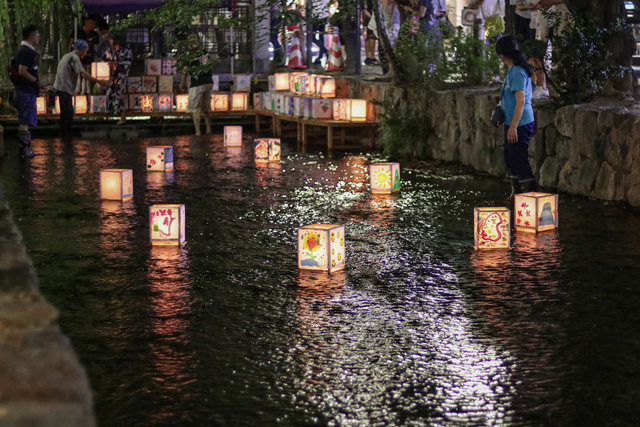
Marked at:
<point>267,149</point>
<point>100,70</point>
<point>219,102</point>
<point>239,101</point>
<point>233,136</point>
<point>182,102</point>
<point>282,81</point>
<point>160,158</point>
<point>321,247</point>
<point>492,228</point>
<point>81,104</point>
<point>353,110</point>
<point>384,177</point>
<point>535,212</point>
<point>41,105</point>
<point>116,184</point>
<point>167,225</point>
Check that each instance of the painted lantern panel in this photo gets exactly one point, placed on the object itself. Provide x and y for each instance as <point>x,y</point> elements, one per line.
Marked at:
<point>321,247</point>
<point>182,102</point>
<point>160,158</point>
<point>384,177</point>
<point>535,212</point>
<point>267,149</point>
<point>167,225</point>
<point>492,228</point>
<point>233,136</point>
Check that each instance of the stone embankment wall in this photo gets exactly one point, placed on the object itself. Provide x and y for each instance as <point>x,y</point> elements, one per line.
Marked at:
<point>41,380</point>
<point>589,149</point>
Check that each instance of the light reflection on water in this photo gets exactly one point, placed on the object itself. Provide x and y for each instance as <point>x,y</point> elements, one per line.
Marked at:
<point>418,330</point>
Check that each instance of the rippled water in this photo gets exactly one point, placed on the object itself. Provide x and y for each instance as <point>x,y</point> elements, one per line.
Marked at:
<point>418,330</point>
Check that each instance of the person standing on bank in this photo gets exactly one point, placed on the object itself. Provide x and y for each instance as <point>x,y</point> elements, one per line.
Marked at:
<point>28,87</point>
<point>69,68</point>
<point>201,83</point>
<point>519,121</point>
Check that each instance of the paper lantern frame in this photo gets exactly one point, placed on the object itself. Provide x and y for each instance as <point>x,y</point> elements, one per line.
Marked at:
<point>321,247</point>
<point>491,228</point>
<point>535,212</point>
<point>167,225</point>
<point>384,178</point>
<point>116,184</point>
<point>160,158</point>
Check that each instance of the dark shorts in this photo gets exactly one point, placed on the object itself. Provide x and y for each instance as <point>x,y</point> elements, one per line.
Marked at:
<point>26,104</point>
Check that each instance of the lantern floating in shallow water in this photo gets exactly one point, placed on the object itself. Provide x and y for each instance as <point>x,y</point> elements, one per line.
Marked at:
<point>267,149</point>
<point>182,102</point>
<point>160,158</point>
<point>384,177</point>
<point>100,70</point>
<point>41,105</point>
<point>353,110</point>
<point>116,184</point>
<point>167,225</point>
<point>233,136</point>
<point>535,212</point>
<point>321,247</point>
<point>492,228</point>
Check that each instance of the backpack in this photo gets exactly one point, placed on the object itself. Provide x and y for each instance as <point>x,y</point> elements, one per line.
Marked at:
<point>12,70</point>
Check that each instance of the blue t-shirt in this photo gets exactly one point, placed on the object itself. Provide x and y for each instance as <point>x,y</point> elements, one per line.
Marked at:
<point>430,20</point>
<point>517,79</point>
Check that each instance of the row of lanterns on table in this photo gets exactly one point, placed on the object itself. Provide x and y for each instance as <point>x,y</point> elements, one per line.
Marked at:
<point>321,246</point>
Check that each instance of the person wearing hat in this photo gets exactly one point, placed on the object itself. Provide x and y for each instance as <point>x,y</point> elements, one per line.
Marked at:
<point>69,68</point>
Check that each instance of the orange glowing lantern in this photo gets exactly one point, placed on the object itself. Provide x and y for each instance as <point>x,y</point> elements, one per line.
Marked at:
<point>535,212</point>
<point>219,102</point>
<point>384,178</point>
<point>160,158</point>
<point>325,86</point>
<point>239,101</point>
<point>282,81</point>
<point>353,110</point>
<point>492,228</point>
<point>182,102</point>
<point>167,225</point>
<point>100,70</point>
<point>81,104</point>
<point>116,184</point>
<point>41,105</point>
<point>147,103</point>
<point>233,136</point>
<point>267,150</point>
<point>321,247</point>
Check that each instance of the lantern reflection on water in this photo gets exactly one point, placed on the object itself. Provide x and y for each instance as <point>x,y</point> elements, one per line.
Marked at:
<point>116,184</point>
<point>384,178</point>
<point>535,212</point>
<point>492,228</point>
<point>167,225</point>
<point>321,247</point>
<point>233,136</point>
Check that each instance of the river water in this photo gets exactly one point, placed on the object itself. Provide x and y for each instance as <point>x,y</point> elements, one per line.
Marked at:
<point>419,329</point>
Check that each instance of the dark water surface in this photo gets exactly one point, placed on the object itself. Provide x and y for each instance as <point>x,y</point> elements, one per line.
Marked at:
<point>418,330</point>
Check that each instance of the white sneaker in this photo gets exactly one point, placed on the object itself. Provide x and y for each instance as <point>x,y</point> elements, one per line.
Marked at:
<point>540,92</point>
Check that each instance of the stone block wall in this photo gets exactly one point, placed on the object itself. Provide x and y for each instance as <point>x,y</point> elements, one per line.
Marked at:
<point>41,381</point>
<point>591,149</point>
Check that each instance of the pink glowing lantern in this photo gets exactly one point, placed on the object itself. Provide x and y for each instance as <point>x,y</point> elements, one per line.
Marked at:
<point>384,178</point>
<point>492,228</point>
<point>160,158</point>
<point>116,184</point>
<point>167,225</point>
<point>535,212</point>
<point>100,70</point>
<point>233,136</point>
<point>282,81</point>
<point>267,150</point>
<point>321,247</point>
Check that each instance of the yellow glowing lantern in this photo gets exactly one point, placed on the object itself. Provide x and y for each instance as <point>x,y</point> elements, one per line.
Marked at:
<point>116,184</point>
<point>100,70</point>
<point>325,86</point>
<point>233,136</point>
<point>81,104</point>
<point>239,101</point>
<point>41,105</point>
<point>182,101</point>
<point>267,150</point>
<point>354,110</point>
<point>492,228</point>
<point>282,81</point>
<point>535,212</point>
<point>384,177</point>
<point>147,103</point>
<point>167,225</point>
<point>219,102</point>
<point>321,247</point>
<point>160,158</point>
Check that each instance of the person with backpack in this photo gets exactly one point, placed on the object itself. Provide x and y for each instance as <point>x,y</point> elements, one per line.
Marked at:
<point>27,87</point>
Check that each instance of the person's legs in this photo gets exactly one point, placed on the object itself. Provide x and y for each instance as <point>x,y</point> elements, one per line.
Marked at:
<point>66,114</point>
<point>318,40</point>
<point>27,116</point>
<point>516,156</point>
<point>196,122</point>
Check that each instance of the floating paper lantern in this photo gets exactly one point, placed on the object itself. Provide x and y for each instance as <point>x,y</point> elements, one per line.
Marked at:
<point>147,103</point>
<point>116,184</point>
<point>41,105</point>
<point>325,86</point>
<point>100,70</point>
<point>81,104</point>
<point>160,158</point>
<point>167,225</point>
<point>321,247</point>
<point>219,102</point>
<point>384,177</point>
<point>354,110</point>
<point>165,103</point>
<point>535,212</point>
<point>233,136</point>
<point>239,101</point>
<point>492,228</point>
<point>282,81</point>
<point>267,149</point>
<point>182,102</point>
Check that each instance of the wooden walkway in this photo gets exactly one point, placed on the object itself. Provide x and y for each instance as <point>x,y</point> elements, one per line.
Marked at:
<point>13,118</point>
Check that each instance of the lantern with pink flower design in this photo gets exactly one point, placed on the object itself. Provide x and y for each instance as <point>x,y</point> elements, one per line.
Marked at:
<point>167,225</point>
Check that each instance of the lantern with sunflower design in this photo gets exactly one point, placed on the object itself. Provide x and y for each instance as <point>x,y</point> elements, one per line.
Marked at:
<point>492,228</point>
<point>167,225</point>
<point>233,136</point>
<point>160,158</point>
<point>267,150</point>
<point>116,184</point>
<point>321,247</point>
<point>535,212</point>
<point>384,178</point>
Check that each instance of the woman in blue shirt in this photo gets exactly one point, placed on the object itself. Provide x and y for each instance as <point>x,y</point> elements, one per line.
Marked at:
<point>519,122</point>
